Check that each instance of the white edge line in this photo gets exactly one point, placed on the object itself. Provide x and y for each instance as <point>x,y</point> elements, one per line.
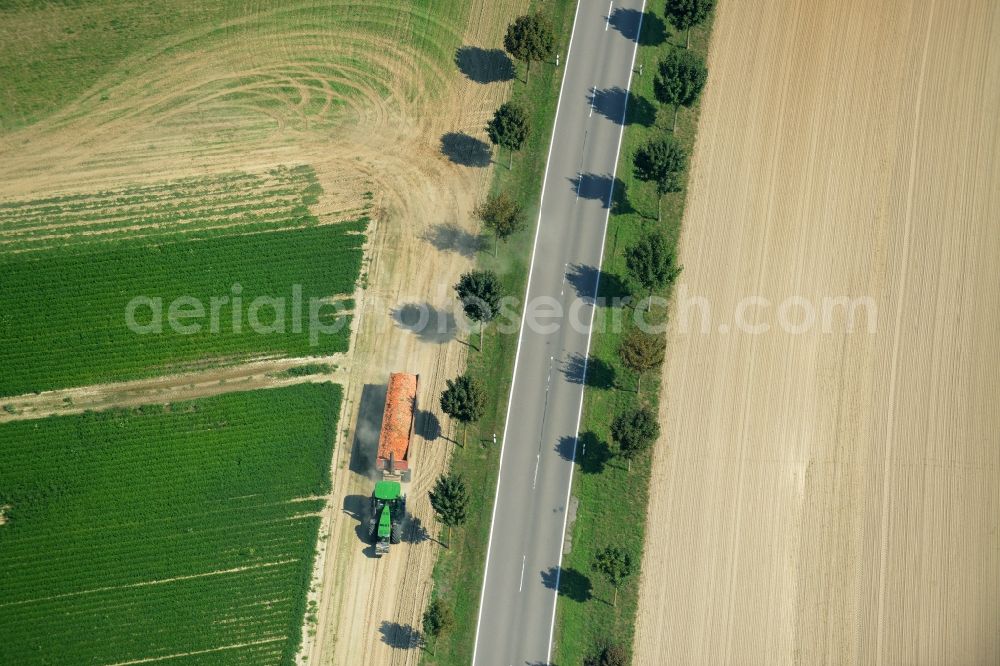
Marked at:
<point>590,331</point>
<point>520,336</point>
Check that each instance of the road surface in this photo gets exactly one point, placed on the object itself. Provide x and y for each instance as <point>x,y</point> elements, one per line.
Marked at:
<point>519,588</point>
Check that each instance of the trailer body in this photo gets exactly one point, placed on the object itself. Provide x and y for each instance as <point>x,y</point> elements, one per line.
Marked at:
<point>388,500</point>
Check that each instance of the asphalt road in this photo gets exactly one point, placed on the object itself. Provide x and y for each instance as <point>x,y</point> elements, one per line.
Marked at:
<point>522,569</point>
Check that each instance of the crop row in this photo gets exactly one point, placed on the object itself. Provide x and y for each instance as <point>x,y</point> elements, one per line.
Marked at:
<point>153,532</point>
<point>165,190</point>
<point>65,316</point>
<point>277,199</point>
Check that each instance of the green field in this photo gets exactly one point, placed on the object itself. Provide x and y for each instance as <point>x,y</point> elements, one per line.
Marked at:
<point>158,531</point>
<point>82,260</point>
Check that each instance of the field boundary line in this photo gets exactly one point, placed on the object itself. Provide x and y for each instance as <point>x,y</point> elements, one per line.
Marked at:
<point>148,583</point>
<point>234,646</point>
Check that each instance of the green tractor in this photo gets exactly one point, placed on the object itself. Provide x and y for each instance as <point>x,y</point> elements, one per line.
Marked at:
<point>388,509</point>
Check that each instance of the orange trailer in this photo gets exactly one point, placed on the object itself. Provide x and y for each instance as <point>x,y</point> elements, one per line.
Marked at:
<point>397,426</point>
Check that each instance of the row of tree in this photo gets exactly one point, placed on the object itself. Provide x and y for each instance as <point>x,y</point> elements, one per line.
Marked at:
<point>680,78</point>
<point>529,38</point>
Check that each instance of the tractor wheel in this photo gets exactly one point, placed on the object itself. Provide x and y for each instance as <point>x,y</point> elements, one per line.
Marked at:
<point>396,535</point>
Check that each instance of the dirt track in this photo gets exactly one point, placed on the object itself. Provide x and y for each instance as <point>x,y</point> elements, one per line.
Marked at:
<point>834,497</point>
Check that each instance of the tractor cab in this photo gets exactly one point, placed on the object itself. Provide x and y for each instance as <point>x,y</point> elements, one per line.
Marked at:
<point>388,507</point>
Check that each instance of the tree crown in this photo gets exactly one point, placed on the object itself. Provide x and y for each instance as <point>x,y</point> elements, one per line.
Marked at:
<point>509,126</point>
<point>680,78</point>
<point>437,618</point>
<point>501,215</point>
<point>530,37</point>
<point>661,161</point>
<point>634,431</point>
<point>615,563</point>
<point>651,263</point>
<point>450,499</point>
<point>610,655</point>
<point>464,399</point>
<point>687,13</point>
<point>480,293</point>
<point>641,352</point>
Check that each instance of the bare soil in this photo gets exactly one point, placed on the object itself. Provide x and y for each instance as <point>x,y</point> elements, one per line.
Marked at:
<point>370,609</point>
<point>834,497</point>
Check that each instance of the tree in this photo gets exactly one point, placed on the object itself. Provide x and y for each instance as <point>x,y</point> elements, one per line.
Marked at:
<point>685,14</point>
<point>679,80</point>
<point>480,293</point>
<point>450,500</point>
<point>528,38</point>
<point>661,161</point>
<point>651,263</point>
<point>641,352</point>
<point>437,618</point>
<point>616,565</point>
<point>501,215</point>
<point>464,399</point>
<point>634,431</point>
<point>610,655</point>
<point>509,128</point>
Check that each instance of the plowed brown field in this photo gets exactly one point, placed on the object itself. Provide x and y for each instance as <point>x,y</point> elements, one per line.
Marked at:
<point>833,496</point>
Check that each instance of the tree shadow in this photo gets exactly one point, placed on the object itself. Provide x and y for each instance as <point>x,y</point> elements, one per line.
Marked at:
<point>426,321</point>
<point>356,506</point>
<point>583,279</point>
<point>364,450</point>
<point>613,290</point>
<point>626,21</point>
<point>654,29</point>
<point>572,584</point>
<point>592,453</point>
<point>400,636</point>
<point>609,286</point>
<point>620,105</point>
<point>590,371</point>
<point>428,425</point>
<point>620,203</point>
<point>484,65</point>
<point>449,237</point>
<point>640,111</point>
<point>466,150</point>
<point>565,447</point>
<point>594,186</point>
<point>416,531</point>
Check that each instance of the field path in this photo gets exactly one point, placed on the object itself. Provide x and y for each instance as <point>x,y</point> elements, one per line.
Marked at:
<point>829,495</point>
<point>369,609</point>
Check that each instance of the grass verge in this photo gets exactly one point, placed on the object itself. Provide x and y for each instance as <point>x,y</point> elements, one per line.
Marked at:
<point>612,499</point>
<point>458,574</point>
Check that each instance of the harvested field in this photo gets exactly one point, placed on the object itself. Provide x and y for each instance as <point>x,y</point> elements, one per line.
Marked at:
<point>823,494</point>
